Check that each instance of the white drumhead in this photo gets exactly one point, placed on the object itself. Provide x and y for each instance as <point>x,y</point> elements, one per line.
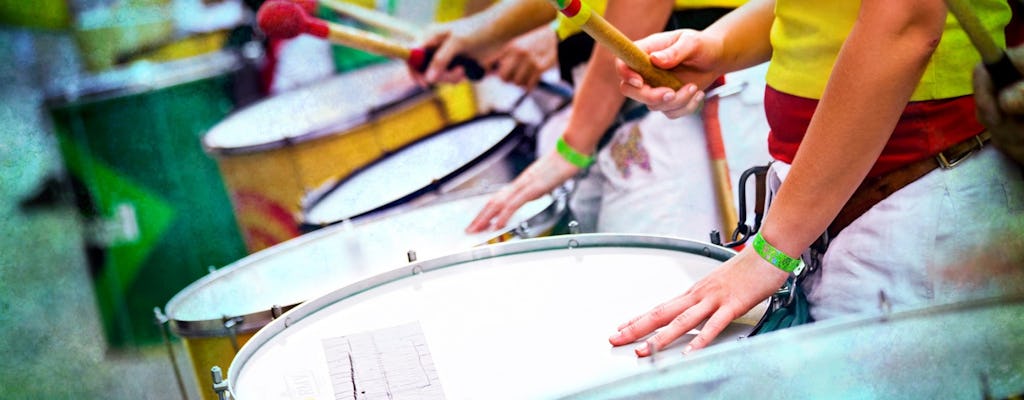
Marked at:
<point>343,100</point>
<point>412,169</point>
<point>521,325</point>
<point>315,264</point>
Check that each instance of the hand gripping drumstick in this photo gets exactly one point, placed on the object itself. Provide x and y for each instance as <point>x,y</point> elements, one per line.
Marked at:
<point>611,38</point>
<point>285,19</point>
<point>999,66</point>
<point>365,15</point>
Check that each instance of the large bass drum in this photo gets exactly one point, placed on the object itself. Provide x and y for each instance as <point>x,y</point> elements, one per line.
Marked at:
<point>520,320</point>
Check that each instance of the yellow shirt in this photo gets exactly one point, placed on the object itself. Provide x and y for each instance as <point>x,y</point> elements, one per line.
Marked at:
<point>807,35</point>
<point>564,28</point>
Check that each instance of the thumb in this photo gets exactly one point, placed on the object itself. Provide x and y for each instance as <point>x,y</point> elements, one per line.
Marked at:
<point>684,48</point>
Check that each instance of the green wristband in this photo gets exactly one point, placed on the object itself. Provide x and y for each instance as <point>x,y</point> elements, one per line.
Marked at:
<point>570,154</point>
<point>775,257</point>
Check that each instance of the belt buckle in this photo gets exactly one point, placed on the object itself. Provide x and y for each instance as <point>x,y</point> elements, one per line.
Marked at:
<point>951,161</point>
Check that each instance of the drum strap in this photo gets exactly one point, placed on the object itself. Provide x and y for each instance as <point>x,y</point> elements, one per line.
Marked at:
<point>876,189</point>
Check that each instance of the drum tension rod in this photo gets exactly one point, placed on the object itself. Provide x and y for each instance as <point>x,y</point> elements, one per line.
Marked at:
<point>219,385</point>
<point>161,322</point>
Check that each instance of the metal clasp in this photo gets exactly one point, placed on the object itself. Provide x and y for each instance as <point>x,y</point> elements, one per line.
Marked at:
<point>953,160</point>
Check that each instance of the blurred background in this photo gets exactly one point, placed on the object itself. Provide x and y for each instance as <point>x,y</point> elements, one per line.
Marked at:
<point>109,205</point>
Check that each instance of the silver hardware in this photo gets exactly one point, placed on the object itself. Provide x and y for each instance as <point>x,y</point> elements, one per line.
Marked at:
<point>276,311</point>
<point>411,255</point>
<point>574,227</point>
<point>161,322</point>
<point>219,385</point>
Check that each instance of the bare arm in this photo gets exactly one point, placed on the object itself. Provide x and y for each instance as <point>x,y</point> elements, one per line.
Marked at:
<point>875,73</point>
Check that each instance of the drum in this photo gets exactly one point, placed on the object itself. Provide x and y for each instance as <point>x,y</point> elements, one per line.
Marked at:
<point>220,312</point>
<point>156,212</point>
<point>959,351</point>
<point>274,152</point>
<point>520,320</point>
<point>474,154</point>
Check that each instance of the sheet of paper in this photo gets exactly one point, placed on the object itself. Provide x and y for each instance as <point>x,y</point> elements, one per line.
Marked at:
<point>387,364</point>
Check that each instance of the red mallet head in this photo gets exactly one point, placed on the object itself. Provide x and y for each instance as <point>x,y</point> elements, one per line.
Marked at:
<point>284,19</point>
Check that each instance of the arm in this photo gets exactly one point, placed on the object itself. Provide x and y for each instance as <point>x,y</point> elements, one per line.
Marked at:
<point>870,85</point>
<point>860,107</point>
<point>595,105</point>
<point>481,35</point>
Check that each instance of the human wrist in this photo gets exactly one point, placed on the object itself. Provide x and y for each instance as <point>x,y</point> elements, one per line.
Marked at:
<point>777,258</point>
<point>570,154</point>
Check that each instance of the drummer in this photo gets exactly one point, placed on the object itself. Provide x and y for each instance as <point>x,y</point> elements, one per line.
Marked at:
<point>865,91</point>
<point>595,108</point>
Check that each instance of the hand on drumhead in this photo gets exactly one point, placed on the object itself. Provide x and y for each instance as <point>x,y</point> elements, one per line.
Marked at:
<point>689,55</point>
<point>541,177</point>
<point>727,293</point>
<point>1002,113</point>
<point>522,61</point>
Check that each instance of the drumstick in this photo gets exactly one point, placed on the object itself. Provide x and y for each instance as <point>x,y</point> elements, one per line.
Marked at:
<point>374,18</point>
<point>285,19</point>
<point>999,66</point>
<point>615,41</point>
<point>365,15</point>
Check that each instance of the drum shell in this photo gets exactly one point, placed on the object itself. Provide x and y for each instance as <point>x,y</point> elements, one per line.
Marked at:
<point>268,181</point>
<point>130,142</point>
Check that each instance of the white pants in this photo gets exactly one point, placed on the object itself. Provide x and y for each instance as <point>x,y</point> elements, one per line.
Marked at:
<point>950,236</point>
<point>656,174</point>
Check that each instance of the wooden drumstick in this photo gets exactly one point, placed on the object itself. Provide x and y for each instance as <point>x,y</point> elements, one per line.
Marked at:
<point>615,41</point>
<point>612,39</point>
<point>365,15</point>
<point>285,19</point>
<point>998,64</point>
<point>375,18</point>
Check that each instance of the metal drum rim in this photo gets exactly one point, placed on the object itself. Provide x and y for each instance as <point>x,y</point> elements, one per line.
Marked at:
<point>493,154</point>
<point>141,77</point>
<point>561,242</point>
<point>396,103</point>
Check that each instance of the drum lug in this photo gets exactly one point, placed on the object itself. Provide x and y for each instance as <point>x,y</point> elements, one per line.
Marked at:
<point>523,230</point>
<point>574,227</point>
<point>411,255</point>
<point>276,311</point>
<point>219,385</point>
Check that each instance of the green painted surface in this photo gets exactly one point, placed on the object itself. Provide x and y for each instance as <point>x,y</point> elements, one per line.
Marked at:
<point>141,155</point>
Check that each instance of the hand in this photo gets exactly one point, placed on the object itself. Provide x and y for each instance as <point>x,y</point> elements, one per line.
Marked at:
<point>1004,118</point>
<point>690,55</point>
<point>725,294</point>
<point>451,39</point>
<point>541,177</point>
<point>524,59</point>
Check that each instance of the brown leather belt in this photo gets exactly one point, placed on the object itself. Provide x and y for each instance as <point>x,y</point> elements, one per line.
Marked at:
<point>876,189</point>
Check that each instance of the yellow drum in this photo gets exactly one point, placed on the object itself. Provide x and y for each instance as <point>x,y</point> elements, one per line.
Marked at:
<point>271,153</point>
<point>217,314</point>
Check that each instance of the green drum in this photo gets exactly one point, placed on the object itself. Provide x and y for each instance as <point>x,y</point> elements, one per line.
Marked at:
<point>156,212</point>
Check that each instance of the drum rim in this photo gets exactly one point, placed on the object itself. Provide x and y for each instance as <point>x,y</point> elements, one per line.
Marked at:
<point>141,77</point>
<point>494,154</point>
<point>587,240</point>
<point>531,227</point>
<point>787,336</point>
